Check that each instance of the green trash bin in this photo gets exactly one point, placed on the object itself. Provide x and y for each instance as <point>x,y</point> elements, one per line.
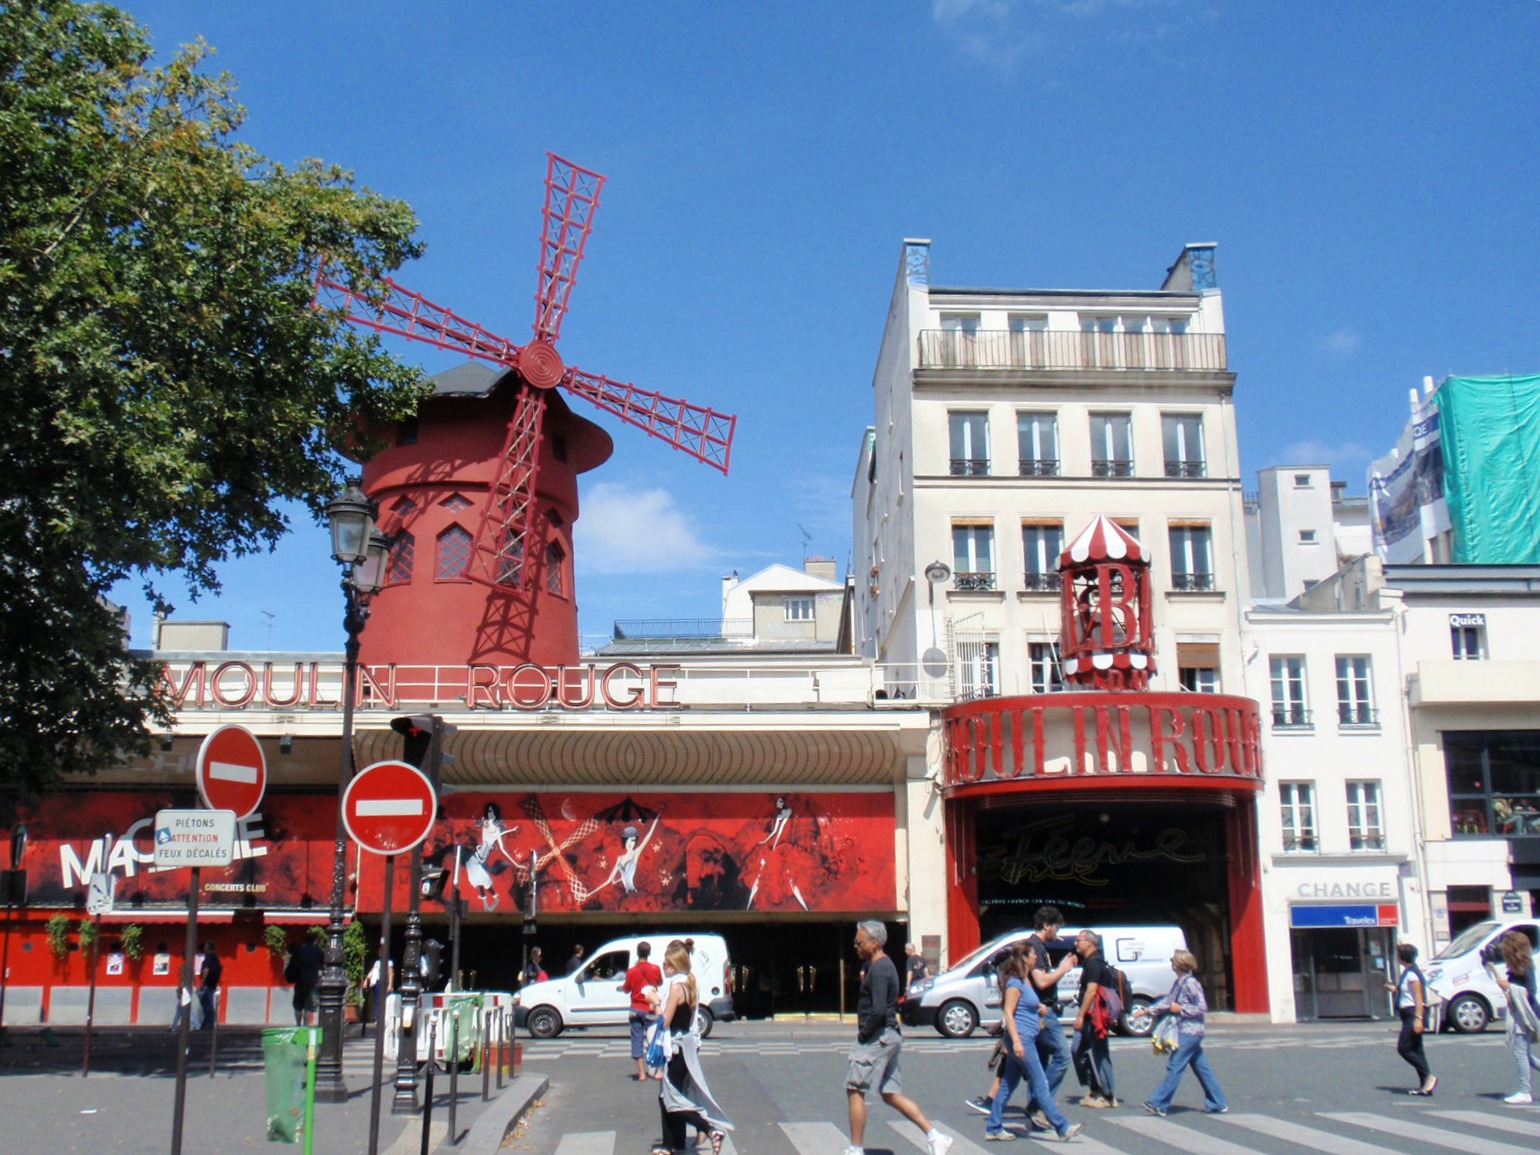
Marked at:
<point>460,1040</point>
<point>288,1060</point>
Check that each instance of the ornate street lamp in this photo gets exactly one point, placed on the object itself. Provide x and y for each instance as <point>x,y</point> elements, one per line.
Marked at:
<point>362,553</point>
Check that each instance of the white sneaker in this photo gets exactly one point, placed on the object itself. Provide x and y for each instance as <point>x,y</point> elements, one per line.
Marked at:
<point>1519,1099</point>
<point>939,1145</point>
<point>855,1151</point>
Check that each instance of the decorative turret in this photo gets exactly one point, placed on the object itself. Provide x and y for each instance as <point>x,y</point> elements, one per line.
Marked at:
<point>1107,640</point>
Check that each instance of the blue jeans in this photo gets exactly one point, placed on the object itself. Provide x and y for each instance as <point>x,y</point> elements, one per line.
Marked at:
<point>1053,1050</point>
<point>1189,1052</point>
<point>1524,1054</point>
<point>1011,1072</point>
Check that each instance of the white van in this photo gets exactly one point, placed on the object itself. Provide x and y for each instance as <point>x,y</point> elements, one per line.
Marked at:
<point>1457,975</point>
<point>591,995</point>
<point>967,996</point>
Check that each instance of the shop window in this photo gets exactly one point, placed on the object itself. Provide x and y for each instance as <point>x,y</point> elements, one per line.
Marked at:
<point>1366,831</point>
<point>1297,808</point>
<point>1494,782</point>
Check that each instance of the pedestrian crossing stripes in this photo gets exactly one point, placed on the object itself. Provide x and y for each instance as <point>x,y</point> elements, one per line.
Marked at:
<point>1216,1135</point>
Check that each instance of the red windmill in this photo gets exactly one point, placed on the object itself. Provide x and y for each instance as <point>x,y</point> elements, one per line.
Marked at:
<point>521,498</point>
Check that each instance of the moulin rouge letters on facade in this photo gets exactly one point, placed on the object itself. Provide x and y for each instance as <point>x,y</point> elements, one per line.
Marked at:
<point>241,685</point>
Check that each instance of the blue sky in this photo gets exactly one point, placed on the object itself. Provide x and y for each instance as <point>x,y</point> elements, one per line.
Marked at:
<point>1367,169</point>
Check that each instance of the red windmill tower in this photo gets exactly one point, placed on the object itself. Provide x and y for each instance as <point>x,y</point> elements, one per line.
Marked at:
<point>480,492</point>
<point>1107,635</point>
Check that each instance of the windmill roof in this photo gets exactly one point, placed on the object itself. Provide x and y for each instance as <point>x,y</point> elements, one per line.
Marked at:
<point>1103,540</point>
<point>472,378</point>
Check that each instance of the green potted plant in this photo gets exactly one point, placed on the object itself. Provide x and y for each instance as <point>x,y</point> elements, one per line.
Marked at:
<point>355,955</point>
<point>133,942</point>
<point>87,933</point>
<point>57,931</point>
<point>275,940</point>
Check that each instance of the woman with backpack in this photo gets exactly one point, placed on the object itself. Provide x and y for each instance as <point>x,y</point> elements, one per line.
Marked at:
<point>1411,991</point>
<point>1185,1000</point>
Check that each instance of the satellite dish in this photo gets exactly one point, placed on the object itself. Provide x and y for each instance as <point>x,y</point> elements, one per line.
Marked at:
<point>933,662</point>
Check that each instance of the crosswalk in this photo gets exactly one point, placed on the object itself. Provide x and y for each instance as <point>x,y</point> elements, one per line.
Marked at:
<point>1328,1133</point>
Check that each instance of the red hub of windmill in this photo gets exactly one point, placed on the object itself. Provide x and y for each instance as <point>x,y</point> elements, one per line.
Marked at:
<point>480,492</point>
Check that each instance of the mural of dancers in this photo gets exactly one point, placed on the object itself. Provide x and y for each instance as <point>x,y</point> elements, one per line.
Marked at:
<point>624,870</point>
<point>775,862</point>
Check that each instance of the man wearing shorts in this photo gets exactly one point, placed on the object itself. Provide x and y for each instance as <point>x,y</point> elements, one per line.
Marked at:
<point>874,1060</point>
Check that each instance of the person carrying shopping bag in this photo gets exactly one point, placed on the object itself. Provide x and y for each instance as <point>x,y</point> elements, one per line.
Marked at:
<point>1185,1000</point>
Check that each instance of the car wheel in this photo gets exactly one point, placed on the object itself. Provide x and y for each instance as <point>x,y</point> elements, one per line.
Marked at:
<point>1468,1014</point>
<point>957,1019</point>
<point>703,1022</point>
<point>544,1023</point>
<point>1137,1022</point>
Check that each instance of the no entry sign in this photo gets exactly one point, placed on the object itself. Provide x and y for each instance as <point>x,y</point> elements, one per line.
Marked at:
<point>232,771</point>
<point>389,807</point>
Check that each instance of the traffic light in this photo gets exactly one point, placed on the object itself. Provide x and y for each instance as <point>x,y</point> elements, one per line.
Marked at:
<point>416,732</point>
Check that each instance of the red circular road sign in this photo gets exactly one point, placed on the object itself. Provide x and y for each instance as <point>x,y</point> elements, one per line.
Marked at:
<point>389,807</point>
<point>232,771</point>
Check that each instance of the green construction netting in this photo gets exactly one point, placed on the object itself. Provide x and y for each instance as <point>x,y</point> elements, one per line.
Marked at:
<point>1491,433</point>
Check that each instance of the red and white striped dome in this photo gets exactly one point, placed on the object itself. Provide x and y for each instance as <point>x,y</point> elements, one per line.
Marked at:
<point>1103,540</point>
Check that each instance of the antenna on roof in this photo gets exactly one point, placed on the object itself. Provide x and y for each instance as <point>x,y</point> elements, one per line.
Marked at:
<point>806,540</point>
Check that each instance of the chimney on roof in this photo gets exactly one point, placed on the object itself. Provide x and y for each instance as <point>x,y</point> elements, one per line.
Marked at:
<point>819,567</point>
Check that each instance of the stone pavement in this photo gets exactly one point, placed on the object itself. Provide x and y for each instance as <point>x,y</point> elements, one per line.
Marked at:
<point>125,1106</point>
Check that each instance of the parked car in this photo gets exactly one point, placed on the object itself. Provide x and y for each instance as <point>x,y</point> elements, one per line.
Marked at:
<point>966,996</point>
<point>591,995</point>
<point>1459,976</point>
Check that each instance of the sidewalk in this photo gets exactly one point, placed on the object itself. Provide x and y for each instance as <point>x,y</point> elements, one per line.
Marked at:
<point>126,1105</point>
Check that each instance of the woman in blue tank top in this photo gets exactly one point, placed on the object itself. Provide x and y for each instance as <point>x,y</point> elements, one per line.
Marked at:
<point>1022,1008</point>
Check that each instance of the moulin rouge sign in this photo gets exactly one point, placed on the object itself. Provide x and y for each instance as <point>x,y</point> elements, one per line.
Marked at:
<point>241,685</point>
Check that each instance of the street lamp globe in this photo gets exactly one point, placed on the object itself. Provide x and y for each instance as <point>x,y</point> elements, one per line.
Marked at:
<point>351,516</point>
<point>369,574</point>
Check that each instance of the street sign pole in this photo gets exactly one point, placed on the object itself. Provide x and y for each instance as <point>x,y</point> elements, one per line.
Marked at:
<point>96,948</point>
<point>382,978</point>
<point>184,1009</point>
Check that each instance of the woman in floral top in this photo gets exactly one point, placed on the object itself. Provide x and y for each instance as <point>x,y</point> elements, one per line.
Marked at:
<point>1186,1001</point>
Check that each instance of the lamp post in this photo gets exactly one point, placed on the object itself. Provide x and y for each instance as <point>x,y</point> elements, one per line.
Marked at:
<point>362,553</point>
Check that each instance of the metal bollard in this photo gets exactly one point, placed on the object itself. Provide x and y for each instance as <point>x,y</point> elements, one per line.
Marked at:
<point>452,1057</point>
<point>486,1055</point>
<point>502,1043</point>
<point>427,1104</point>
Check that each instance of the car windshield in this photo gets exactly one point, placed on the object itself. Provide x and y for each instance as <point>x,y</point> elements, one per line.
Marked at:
<point>1466,940</point>
<point>993,947</point>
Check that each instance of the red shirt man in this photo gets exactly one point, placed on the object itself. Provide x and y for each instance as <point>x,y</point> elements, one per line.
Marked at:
<point>643,978</point>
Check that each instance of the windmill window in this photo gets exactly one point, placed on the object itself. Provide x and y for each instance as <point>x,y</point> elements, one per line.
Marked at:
<point>456,502</point>
<point>406,432</point>
<point>398,571</point>
<point>454,554</point>
<point>559,448</point>
<point>554,556</point>
<point>404,506</point>
<point>510,563</point>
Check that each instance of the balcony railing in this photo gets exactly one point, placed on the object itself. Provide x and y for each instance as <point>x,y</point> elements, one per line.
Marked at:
<point>1041,467</point>
<point>1117,467</point>
<point>970,466</point>
<point>978,580</point>
<point>1357,714</point>
<point>1192,582</point>
<point>679,629</point>
<point>1184,469</point>
<point>1291,718</point>
<point>1040,582</point>
<point>1002,349</point>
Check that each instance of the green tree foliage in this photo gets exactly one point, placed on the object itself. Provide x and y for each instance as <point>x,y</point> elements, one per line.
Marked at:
<point>164,381</point>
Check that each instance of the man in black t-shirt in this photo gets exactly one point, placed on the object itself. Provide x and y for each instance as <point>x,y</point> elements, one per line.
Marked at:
<point>209,975</point>
<point>1052,1046</point>
<point>914,967</point>
<point>1093,1059</point>
<point>874,1060</point>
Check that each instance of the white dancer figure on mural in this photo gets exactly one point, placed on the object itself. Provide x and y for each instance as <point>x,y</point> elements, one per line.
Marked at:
<point>773,860</point>
<point>625,866</point>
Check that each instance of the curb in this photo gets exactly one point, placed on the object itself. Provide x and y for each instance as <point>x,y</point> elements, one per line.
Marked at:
<point>502,1116</point>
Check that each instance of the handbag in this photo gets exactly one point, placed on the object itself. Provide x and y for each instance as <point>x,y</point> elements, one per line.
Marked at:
<point>656,1055</point>
<point>1167,1035</point>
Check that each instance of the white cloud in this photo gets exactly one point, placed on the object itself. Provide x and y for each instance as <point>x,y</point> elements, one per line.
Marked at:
<point>627,531</point>
<point>1343,342</point>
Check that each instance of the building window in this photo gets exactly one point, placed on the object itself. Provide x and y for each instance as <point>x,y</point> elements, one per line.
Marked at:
<point>1192,560</point>
<point>1307,537</point>
<point>1029,341</point>
<point>1182,439</point>
<point>406,431</point>
<point>970,444</point>
<point>1366,831</point>
<point>1296,802</point>
<point>456,502</point>
<point>973,557</point>
<point>453,555</point>
<point>554,557</point>
<point>1198,679</point>
<point>959,339</point>
<point>1041,544</point>
<point>1290,709</point>
<point>1112,445</point>
<point>1037,444</point>
<point>978,669</point>
<point>1044,668</point>
<point>798,609</point>
<point>1301,481</point>
<point>1468,637</point>
<point>1355,700</point>
<point>398,570</point>
<point>1494,781</point>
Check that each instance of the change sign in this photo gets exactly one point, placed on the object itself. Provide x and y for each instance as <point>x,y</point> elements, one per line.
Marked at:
<point>194,838</point>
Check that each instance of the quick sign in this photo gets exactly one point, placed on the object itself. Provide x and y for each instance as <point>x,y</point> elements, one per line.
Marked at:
<point>1458,620</point>
<point>1305,917</point>
<point>194,838</point>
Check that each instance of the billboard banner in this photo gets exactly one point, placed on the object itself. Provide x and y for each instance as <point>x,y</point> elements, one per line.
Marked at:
<point>547,853</point>
<point>1407,505</point>
<point>509,853</point>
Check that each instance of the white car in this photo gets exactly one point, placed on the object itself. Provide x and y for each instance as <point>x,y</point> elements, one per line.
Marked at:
<point>592,997</point>
<point>1458,975</point>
